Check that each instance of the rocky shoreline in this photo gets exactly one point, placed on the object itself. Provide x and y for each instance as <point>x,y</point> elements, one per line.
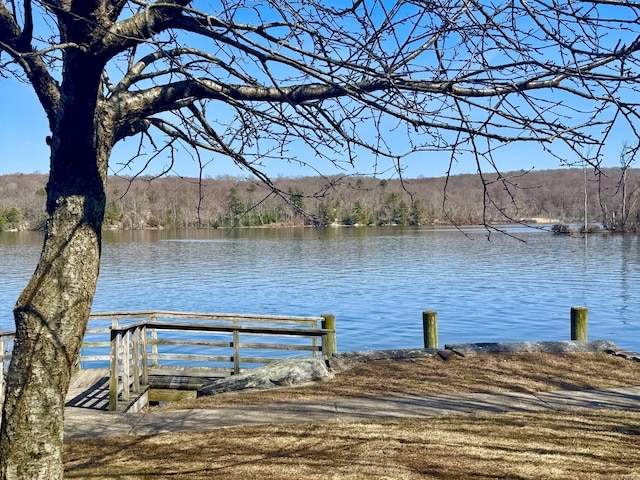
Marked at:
<point>301,370</point>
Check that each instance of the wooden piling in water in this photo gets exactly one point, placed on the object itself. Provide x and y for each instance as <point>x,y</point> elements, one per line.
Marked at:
<point>430,328</point>
<point>579,323</point>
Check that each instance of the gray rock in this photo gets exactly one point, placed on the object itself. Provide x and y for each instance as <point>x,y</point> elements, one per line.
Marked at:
<point>283,373</point>
<point>519,347</point>
<point>399,354</point>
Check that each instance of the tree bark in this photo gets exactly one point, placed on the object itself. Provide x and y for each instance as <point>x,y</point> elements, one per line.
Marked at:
<point>50,316</point>
<point>52,312</point>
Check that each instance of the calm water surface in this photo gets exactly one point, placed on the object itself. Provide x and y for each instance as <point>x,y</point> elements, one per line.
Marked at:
<point>375,281</point>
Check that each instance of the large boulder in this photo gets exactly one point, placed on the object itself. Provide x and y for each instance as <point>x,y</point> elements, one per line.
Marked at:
<point>283,373</point>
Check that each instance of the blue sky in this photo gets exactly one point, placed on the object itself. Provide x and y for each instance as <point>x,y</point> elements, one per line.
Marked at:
<point>23,128</point>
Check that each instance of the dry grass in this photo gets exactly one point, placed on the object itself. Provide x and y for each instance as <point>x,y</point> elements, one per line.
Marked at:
<point>589,445</point>
<point>586,444</point>
<point>522,372</point>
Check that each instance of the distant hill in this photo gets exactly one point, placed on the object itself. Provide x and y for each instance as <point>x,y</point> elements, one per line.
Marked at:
<point>175,202</point>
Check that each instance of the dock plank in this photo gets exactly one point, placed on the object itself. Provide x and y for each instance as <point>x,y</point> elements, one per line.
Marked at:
<point>89,388</point>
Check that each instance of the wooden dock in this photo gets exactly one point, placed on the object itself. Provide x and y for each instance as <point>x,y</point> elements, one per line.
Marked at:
<point>160,356</point>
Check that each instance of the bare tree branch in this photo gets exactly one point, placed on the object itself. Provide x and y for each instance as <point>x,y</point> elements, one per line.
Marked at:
<point>17,44</point>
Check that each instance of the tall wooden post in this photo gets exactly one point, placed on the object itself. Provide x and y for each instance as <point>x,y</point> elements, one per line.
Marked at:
<point>579,323</point>
<point>430,329</point>
<point>329,323</point>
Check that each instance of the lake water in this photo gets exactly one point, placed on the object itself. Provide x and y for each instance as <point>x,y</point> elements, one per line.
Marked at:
<point>376,281</point>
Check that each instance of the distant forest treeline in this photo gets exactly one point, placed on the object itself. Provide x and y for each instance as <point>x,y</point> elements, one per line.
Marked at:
<point>174,202</point>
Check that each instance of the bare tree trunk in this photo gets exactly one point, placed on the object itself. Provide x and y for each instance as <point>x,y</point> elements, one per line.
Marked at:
<point>52,312</point>
<point>50,316</point>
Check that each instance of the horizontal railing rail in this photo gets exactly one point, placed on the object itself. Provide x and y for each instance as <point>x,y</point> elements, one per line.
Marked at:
<point>230,317</point>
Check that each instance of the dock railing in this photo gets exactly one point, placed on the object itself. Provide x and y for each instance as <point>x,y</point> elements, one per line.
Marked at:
<point>165,344</point>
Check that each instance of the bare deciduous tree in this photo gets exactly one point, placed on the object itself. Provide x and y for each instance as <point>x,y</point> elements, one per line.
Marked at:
<point>259,80</point>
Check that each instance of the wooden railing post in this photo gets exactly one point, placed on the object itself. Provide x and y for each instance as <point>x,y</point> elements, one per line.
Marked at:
<point>236,352</point>
<point>135,359</point>
<point>144,359</point>
<point>430,329</point>
<point>579,323</point>
<point>114,374</point>
<point>154,346</point>
<point>125,364</point>
<point>329,344</point>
